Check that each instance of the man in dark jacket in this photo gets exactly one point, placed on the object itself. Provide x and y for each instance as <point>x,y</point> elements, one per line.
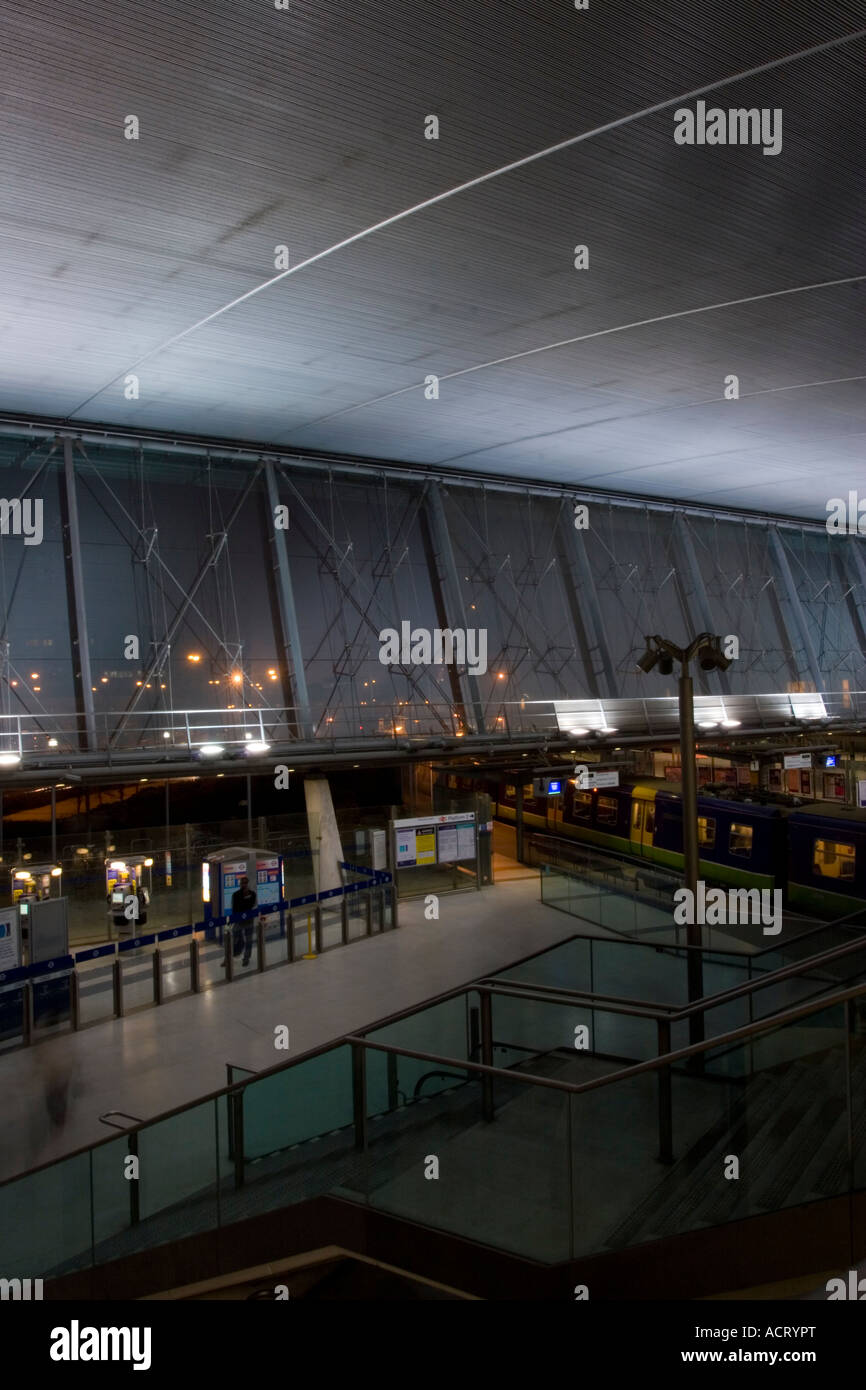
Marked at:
<point>243,900</point>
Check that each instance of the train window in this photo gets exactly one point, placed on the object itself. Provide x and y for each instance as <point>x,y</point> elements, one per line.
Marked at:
<point>528,791</point>
<point>830,859</point>
<point>582,805</point>
<point>740,841</point>
<point>511,791</point>
<point>707,831</point>
<point>650,822</point>
<point>607,810</point>
<point>636,815</point>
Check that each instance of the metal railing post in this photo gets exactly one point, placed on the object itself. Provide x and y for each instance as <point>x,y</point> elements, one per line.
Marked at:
<point>134,1189</point>
<point>359,1095</point>
<point>318,923</point>
<point>666,1113</point>
<point>487,1108</point>
<point>157,976</point>
<point>368,910</point>
<point>27,1019</point>
<point>290,935</point>
<point>260,944</point>
<point>74,1001</point>
<point>393,1087</point>
<point>236,1113</point>
<point>344,920</point>
<point>194,966</point>
<point>230,951</point>
<point>117,985</point>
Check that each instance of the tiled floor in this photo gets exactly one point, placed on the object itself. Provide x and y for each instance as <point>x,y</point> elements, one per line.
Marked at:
<point>163,1057</point>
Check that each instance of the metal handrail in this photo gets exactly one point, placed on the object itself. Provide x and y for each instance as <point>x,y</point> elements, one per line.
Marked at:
<point>664,1060</point>
<point>687,946</point>
<point>749,1030</point>
<point>136,1119</point>
<point>674,1014</point>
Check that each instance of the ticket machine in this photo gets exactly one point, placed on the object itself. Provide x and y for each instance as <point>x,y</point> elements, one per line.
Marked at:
<point>127,886</point>
<point>221,875</point>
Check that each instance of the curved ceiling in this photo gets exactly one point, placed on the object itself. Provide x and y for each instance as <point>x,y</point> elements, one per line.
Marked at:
<point>261,127</point>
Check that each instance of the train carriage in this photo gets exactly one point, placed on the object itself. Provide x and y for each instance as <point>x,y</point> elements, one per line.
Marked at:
<point>827,859</point>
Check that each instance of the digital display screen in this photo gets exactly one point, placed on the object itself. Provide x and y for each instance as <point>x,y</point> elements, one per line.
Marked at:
<point>553,788</point>
<point>830,760</point>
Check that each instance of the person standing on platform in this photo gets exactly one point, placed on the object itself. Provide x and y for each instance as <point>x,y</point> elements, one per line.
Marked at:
<point>243,900</point>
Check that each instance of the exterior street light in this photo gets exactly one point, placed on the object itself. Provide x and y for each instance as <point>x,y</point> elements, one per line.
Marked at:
<point>662,653</point>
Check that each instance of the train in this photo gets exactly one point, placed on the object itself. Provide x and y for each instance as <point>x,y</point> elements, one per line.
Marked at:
<point>815,853</point>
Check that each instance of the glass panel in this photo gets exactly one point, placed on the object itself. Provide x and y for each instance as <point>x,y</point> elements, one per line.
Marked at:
<point>443,1029</point>
<point>137,978</point>
<point>298,1125</point>
<point>525,1030</point>
<point>623,1037</point>
<point>112,1209</point>
<point>332,924</point>
<point>95,990</point>
<point>302,1103</point>
<point>45,1221</point>
<point>504,1182</point>
<point>11,1014</point>
<point>175,970</point>
<point>179,1175</point>
<point>618,912</point>
<point>639,972</point>
<point>568,966</point>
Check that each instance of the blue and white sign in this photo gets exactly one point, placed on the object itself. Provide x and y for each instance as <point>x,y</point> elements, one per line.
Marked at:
<point>10,939</point>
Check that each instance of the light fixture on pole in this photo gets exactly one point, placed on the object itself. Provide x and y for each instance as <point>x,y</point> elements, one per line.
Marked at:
<point>662,653</point>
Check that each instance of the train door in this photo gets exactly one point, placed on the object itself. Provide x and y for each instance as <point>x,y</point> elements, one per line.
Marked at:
<point>642,823</point>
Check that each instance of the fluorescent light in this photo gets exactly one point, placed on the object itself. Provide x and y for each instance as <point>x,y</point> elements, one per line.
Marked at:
<point>706,723</point>
<point>257,746</point>
<point>730,723</point>
<point>578,733</point>
<point>55,873</point>
<point>211,750</point>
<point>10,759</point>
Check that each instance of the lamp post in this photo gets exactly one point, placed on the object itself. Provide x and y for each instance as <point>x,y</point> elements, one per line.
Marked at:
<point>662,653</point>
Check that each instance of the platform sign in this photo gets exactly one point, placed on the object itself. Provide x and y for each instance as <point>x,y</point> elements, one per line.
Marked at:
<point>10,939</point>
<point>404,840</point>
<point>797,760</point>
<point>427,840</point>
<point>603,779</point>
<point>425,845</point>
<point>466,839</point>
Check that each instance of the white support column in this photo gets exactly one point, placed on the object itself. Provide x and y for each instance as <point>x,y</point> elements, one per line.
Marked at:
<point>324,835</point>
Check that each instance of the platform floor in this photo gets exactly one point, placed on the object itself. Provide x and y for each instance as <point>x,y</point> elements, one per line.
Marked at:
<point>163,1057</point>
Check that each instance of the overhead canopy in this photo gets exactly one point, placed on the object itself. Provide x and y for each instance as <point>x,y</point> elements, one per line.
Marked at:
<point>260,128</point>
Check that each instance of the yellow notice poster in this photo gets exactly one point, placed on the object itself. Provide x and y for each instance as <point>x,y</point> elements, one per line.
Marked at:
<point>425,846</point>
